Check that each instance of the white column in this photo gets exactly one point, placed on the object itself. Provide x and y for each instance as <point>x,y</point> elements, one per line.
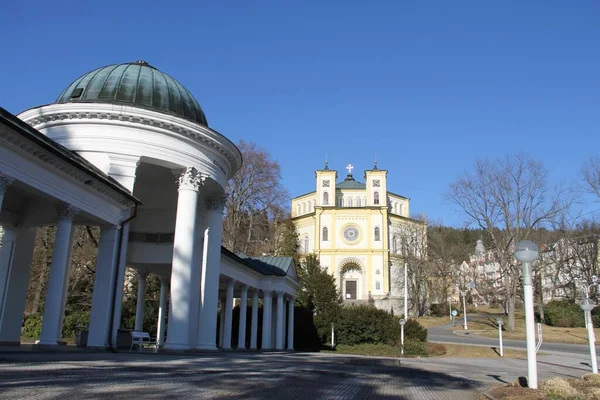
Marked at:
<point>16,270</point>
<point>118,299</point>
<point>279,335</point>
<point>254,324</point>
<point>58,269</point>
<point>267,316</point>
<point>5,182</point>
<point>290,332</point>
<point>102,296</point>
<point>211,266</point>
<point>67,280</point>
<point>242,327</point>
<point>221,322</point>
<point>284,324</point>
<point>228,315</point>
<point>162,312</point>
<point>141,297</point>
<point>197,275</point>
<point>182,283</point>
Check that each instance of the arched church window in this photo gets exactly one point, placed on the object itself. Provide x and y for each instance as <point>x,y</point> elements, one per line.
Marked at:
<point>306,244</point>
<point>298,209</point>
<point>341,202</point>
<point>377,234</point>
<point>303,208</point>
<point>349,202</point>
<point>358,202</point>
<point>326,198</point>
<point>376,198</point>
<point>325,234</point>
<point>401,209</point>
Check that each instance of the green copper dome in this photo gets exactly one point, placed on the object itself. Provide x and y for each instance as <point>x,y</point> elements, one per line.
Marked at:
<point>137,84</point>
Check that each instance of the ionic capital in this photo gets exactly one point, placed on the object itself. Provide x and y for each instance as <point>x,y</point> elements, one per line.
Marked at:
<point>190,179</point>
<point>5,182</point>
<point>67,212</point>
<point>141,274</point>
<point>216,203</point>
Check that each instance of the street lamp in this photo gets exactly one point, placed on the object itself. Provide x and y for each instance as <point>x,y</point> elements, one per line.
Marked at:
<point>526,252</point>
<point>587,305</point>
<point>402,322</point>
<point>464,295</point>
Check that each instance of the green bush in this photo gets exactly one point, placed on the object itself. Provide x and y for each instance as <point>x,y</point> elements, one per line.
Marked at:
<point>563,313</point>
<point>33,326</point>
<point>75,321</point>
<point>366,324</point>
<point>438,310</point>
<point>413,330</point>
<point>415,348</point>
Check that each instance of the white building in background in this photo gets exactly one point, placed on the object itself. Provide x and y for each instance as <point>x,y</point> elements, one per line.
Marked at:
<point>126,147</point>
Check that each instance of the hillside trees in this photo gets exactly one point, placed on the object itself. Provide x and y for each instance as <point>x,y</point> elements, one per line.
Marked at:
<point>508,198</point>
<point>255,204</point>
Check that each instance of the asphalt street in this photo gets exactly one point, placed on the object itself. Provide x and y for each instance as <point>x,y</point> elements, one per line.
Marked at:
<point>441,334</point>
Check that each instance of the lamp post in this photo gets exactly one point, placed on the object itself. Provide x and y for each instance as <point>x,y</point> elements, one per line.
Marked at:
<point>500,322</point>
<point>587,305</point>
<point>464,295</point>
<point>526,252</point>
<point>402,322</point>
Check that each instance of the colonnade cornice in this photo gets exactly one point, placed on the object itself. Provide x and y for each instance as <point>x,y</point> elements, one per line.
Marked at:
<point>72,113</point>
<point>20,144</point>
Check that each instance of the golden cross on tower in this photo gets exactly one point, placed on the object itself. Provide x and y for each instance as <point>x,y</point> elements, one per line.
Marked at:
<point>350,167</point>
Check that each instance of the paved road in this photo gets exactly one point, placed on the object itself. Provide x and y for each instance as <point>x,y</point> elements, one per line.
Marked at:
<point>76,374</point>
<point>441,334</point>
<point>86,375</point>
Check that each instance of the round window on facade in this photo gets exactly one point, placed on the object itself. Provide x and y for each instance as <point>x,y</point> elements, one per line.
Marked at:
<point>351,233</point>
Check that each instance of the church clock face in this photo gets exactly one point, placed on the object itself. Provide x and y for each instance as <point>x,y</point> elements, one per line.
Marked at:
<point>351,234</point>
<point>326,183</point>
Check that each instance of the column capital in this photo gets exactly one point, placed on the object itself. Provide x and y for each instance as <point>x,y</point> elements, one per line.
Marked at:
<point>231,282</point>
<point>66,212</point>
<point>5,182</point>
<point>216,203</point>
<point>191,179</point>
<point>280,293</point>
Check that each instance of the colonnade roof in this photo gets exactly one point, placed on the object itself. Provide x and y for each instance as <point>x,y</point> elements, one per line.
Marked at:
<point>267,265</point>
<point>71,157</point>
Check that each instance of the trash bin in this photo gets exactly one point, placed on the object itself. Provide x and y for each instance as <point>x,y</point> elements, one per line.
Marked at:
<point>81,336</point>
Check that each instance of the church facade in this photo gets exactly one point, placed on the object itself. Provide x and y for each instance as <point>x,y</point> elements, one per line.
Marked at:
<point>362,234</point>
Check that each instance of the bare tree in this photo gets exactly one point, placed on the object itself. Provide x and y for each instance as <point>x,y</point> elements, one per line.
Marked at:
<point>508,198</point>
<point>590,174</point>
<point>256,197</point>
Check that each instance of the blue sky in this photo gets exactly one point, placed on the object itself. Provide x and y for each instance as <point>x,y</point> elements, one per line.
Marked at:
<point>426,87</point>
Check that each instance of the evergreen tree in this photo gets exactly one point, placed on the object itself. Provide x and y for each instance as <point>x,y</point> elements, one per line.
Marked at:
<point>318,294</point>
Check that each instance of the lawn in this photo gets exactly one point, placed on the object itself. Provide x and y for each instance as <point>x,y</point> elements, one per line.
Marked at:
<point>434,350</point>
<point>488,328</point>
<point>430,322</point>
<point>552,389</point>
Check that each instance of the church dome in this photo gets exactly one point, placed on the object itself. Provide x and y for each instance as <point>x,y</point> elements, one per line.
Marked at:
<point>137,84</point>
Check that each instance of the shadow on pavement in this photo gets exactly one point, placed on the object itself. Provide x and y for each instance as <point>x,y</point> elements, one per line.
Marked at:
<point>289,376</point>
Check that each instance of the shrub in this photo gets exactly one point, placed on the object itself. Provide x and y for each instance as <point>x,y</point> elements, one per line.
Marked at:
<point>438,310</point>
<point>366,324</point>
<point>559,387</point>
<point>413,330</point>
<point>415,348</point>
<point>595,378</point>
<point>33,326</point>
<point>75,321</point>
<point>563,313</point>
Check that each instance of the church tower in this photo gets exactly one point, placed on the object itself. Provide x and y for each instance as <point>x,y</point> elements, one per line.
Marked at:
<point>326,186</point>
<point>376,186</point>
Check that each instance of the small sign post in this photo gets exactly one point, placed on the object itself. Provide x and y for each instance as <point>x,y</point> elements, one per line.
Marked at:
<point>454,314</point>
<point>500,322</point>
<point>402,322</point>
<point>539,344</point>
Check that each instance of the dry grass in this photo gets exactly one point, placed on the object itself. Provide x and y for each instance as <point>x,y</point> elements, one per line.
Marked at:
<point>553,389</point>
<point>558,387</point>
<point>461,351</point>
<point>430,322</point>
<point>487,327</point>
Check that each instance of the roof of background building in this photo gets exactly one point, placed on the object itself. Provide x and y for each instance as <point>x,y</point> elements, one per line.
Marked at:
<point>137,84</point>
<point>267,265</point>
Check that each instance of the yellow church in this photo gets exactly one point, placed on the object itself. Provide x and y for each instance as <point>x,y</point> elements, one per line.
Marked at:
<point>361,233</point>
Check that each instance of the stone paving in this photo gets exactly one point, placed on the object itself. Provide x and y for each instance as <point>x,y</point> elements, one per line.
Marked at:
<point>90,375</point>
